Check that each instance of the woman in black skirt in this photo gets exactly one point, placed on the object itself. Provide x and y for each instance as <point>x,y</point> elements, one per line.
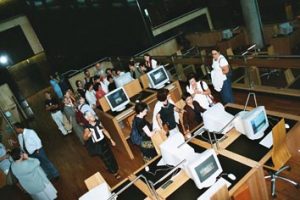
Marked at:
<point>96,136</point>
<point>144,128</point>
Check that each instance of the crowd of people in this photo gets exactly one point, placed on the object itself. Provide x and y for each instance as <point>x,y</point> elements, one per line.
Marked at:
<point>76,112</point>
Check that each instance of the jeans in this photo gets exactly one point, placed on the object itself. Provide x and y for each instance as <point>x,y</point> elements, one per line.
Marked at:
<point>226,92</point>
<point>45,163</point>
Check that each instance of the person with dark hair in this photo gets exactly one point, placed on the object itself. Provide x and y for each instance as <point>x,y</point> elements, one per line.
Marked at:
<point>192,115</point>
<point>134,71</point>
<point>80,88</point>
<point>55,86</point>
<point>108,72</point>
<point>102,80</point>
<point>99,92</point>
<point>90,95</point>
<point>199,91</point>
<point>150,63</point>
<point>221,76</point>
<point>87,77</point>
<point>52,105</point>
<point>144,129</point>
<point>162,95</point>
<point>96,137</point>
<point>31,176</point>
<point>166,116</point>
<point>31,144</point>
<point>112,85</point>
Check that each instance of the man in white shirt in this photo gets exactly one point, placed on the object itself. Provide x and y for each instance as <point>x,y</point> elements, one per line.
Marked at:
<point>31,144</point>
<point>90,95</point>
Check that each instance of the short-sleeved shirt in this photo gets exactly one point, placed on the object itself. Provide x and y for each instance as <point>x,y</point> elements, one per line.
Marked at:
<point>50,102</point>
<point>167,116</point>
<point>140,123</point>
<point>202,99</point>
<point>220,63</point>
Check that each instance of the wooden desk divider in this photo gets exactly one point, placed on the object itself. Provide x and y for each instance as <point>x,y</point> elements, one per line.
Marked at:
<point>94,180</point>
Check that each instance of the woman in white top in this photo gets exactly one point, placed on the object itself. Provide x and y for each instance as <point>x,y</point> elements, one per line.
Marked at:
<point>90,95</point>
<point>199,91</point>
<point>221,76</point>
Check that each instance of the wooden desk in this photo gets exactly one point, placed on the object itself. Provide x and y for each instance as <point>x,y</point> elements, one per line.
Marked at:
<point>283,45</point>
<point>119,124</point>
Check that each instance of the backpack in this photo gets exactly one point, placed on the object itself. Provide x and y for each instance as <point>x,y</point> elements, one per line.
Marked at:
<point>135,136</point>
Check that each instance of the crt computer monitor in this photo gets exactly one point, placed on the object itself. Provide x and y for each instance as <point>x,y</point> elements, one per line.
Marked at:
<point>117,99</point>
<point>252,123</point>
<point>123,79</point>
<point>158,77</point>
<point>204,169</point>
<point>172,154</point>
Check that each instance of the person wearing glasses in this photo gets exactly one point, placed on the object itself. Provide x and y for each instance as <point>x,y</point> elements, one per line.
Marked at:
<point>221,76</point>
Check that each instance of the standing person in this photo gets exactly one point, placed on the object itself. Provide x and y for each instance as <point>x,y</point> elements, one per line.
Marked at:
<point>54,84</point>
<point>84,107</point>
<point>96,137</point>
<point>166,116</point>
<point>80,88</point>
<point>87,77</point>
<point>144,128</point>
<point>31,144</point>
<point>134,71</point>
<point>70,110</point>
<point>4,159</point>
<point>221,76</point>
<point>53,107</point>
<point>150,63</point>
<point>31,176</point>
<point>90,95</point>
<point>192,115</point>
<point>111,85</point>
<point>199,91</point>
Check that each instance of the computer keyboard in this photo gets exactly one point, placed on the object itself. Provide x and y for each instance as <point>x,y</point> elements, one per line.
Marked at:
<point>267,141</point>
<point>124,113</point>
<point>170,87</point>
<point>214,188</point>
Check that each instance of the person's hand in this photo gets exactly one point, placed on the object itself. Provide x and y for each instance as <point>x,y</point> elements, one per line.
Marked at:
<point>112,142</point>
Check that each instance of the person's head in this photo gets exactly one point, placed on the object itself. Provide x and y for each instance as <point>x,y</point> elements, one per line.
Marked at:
<point>215,52</point>
<point>147,57</point>
<point>19,128</point>
<point>96,79</point>
<point>81,100</point>
<point>141,108</point>
<point>162,95</point>
<point>79,83</point>
<point>89,86</point>
<point>51,77</point>
<point>90,117</point>
<point>192,79</point>
<point>48,95</point>
<point>108,71</point>
<point>131,65</point>
<point>97,86</point>
<point>110,79</point>
<point>113,72</point>
<point>66,100</point>
<point>187,97</point>
<point>16,154</point>
<point>86,73</point>
<point>118,72</point>
<point>98,66</point>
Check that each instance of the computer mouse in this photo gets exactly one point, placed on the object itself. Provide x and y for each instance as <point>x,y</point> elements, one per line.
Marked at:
<point>287,126</point>
<point>147,169</point>
<point>231,176</point>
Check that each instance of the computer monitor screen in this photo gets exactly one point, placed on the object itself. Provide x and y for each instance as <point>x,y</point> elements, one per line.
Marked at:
<point>252,123</point>
<point>117,99</point>
<point>158,77</point>
<point>123,79</point>
<point>205,169</point>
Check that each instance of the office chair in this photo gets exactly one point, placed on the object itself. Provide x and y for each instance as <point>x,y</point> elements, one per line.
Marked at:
<point>280,156</point>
